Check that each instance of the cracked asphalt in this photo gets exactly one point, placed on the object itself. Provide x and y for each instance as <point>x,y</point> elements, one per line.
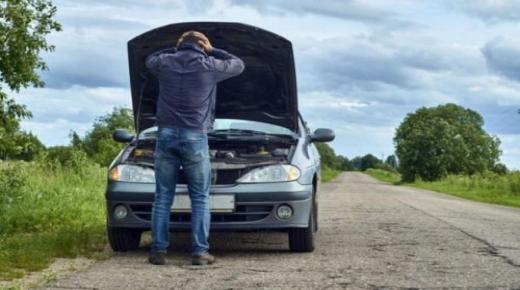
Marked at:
<point>372,235</point>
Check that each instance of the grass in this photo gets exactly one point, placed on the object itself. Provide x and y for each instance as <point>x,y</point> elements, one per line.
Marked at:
<point>328,174</point>
<point>49,211</point>
<point>384,175</point>
<point>489,187</point>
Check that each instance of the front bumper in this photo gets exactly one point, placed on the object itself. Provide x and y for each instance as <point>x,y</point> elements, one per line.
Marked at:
<point>255,206</point>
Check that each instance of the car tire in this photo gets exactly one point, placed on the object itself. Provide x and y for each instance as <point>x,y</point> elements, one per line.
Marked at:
<point>302,239</point>
<point>316,210</point>
<point>122,240</point>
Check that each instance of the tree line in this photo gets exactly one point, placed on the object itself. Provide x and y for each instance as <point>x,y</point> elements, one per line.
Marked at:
<point>431,143</point>
<point>330,160</point>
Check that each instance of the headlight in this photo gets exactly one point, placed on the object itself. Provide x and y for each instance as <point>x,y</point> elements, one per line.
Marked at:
<point>271,173</point>
<point>132,173</point>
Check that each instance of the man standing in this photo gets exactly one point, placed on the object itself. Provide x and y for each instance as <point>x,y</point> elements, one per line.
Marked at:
<point>187,78</point>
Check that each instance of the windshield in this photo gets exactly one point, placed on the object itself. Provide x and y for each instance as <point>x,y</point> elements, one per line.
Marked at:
<point>236,124</point>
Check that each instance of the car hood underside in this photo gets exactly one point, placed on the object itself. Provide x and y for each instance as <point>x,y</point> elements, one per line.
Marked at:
<point>264,92</point>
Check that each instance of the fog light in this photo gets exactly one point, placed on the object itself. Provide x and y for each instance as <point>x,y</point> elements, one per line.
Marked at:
<point>120,212</point>
<point>284,211</point>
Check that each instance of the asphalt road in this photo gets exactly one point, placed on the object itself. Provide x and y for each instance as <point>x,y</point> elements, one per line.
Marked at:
<point>372,235</point>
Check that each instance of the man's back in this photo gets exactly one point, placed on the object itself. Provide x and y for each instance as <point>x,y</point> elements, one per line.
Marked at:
<point>185,112</point>
<point>187,84</point>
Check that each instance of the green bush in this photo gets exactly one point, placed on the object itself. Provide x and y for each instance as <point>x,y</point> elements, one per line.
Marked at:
<point>12,180</point>
<point>53,212</point>
<point>98,142</point>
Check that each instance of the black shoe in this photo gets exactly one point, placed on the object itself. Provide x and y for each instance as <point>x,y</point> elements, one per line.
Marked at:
<point>204,259</point>
<point>157,258</point>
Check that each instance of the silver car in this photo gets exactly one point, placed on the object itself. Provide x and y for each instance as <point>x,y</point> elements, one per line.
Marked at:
<point>265,167</point>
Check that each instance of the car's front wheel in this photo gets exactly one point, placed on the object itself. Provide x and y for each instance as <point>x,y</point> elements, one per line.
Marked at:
<point>122,240</point>
<point>302,239</point>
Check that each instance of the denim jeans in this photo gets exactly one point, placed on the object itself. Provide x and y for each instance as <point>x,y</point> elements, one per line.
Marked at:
<point>188,148</point>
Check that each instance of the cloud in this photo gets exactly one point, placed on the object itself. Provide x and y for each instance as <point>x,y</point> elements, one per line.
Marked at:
<point>346,9</point>
<point>503,57</point>
<point>340,63</point>
<point>361,65</point>
<point>510,150</point>
<point>491,11</point>
<point>58,111</point>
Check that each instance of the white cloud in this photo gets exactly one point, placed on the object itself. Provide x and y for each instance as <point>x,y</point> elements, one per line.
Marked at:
<point>491,11</point>
<point>58,111</point>
<point>511,150</point>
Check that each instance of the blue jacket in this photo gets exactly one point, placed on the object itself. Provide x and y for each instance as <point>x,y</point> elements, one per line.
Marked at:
<point>188,80</point>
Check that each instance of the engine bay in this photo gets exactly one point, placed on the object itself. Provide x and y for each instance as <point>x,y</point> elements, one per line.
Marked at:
<point>230,159</point>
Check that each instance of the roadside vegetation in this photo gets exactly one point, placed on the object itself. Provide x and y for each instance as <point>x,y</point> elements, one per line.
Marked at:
<point>52,201</point>
<point>490,187</point>
<point>331,164</point>
<point>329,174</point>
<point>446,149</point>
<point>49,210</point>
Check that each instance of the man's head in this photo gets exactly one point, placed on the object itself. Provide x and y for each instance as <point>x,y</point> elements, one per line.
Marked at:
<point>193,37</point>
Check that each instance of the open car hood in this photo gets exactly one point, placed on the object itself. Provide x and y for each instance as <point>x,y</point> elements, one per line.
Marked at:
<point>264,92</point>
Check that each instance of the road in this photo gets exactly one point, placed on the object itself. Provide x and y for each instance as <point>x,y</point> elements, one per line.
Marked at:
<point>372,235</point>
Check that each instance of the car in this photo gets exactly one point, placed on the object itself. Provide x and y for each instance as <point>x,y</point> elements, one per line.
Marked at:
<point>265,166</point>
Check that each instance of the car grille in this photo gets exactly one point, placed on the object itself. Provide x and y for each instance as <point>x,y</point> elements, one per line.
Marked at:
<point>217,176</point>
<point>243,213</point>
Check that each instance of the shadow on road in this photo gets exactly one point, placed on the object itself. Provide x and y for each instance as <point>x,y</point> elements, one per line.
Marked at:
<point>228,243</point>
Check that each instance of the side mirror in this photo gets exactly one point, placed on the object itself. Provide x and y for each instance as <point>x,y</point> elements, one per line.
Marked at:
<point>122,135</point>
<point>323,135</point>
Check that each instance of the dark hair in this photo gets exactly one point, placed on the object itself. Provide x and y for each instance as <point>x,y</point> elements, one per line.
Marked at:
<point>191,36</point>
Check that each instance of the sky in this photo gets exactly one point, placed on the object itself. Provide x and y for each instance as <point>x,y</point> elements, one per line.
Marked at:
<point>361,65</point>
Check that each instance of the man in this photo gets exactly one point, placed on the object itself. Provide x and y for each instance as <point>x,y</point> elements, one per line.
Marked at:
<point>187,79</point>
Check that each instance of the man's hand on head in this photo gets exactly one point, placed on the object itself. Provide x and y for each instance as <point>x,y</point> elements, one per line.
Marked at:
<point>206,45</point>
<point>196,37</point>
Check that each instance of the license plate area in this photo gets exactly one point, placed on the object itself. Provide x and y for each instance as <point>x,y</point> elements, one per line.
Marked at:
<point>221,203</point>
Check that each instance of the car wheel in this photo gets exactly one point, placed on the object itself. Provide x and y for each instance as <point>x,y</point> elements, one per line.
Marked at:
<point>122,240</point>
<point>302,239</point>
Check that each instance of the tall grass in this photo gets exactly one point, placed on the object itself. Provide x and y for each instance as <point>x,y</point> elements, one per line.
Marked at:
<point>489,187</point>
<point>48,210</point>
<point>328,174</point>
<point>384,175</point>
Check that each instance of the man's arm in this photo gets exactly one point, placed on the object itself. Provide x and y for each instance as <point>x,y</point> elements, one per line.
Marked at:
<point>226,65</point>
<point>153,61</point>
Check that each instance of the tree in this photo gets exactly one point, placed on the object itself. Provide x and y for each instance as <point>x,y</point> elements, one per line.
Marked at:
<point>98,143</point>
<point>370,161</point>
<point>391,161</point>
<point>327,155</point>
<point>20,146</point>
<point>343,163</point>
<point>23,27</point>
<point>356,163</point>
<point>447,139</point>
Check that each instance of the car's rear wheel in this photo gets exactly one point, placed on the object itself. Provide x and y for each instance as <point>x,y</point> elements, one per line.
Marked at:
<point>122,240</point>
<point>302,239</point>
